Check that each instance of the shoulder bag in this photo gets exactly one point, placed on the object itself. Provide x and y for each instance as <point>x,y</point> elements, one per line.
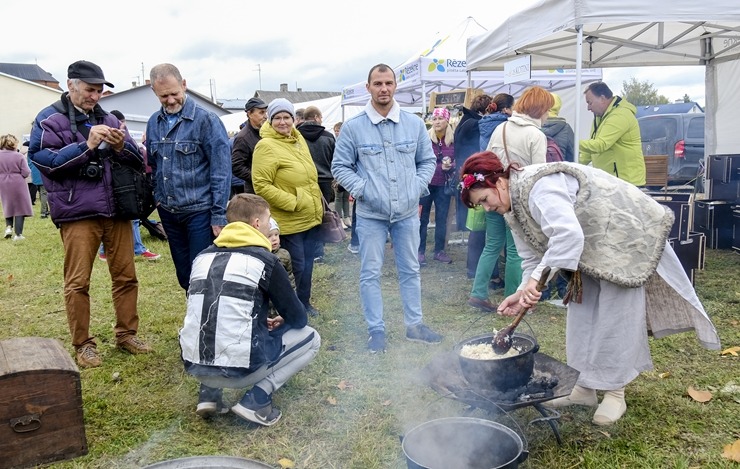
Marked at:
<point>331,229</point>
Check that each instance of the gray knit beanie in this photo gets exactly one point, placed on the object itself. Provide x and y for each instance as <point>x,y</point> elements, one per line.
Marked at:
<point>279,105</point>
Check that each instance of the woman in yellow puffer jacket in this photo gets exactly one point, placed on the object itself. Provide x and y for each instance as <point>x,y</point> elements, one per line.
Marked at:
<point>284,173</point>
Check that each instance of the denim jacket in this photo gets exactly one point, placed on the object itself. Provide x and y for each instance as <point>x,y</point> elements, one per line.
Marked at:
<point>386,163</point>
<point>191,162</point>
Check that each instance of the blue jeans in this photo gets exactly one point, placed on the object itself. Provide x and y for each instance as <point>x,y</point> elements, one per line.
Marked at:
<point>139,247</point>
<point>441,208</point>
<point>302,249</point>
<point>187,234</point>
<point>372,235</point>
<point>498,234</point>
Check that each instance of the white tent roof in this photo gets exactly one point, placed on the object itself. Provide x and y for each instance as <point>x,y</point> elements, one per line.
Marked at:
<point>442,67</point>
<point>604,33</point>
<point>628,33</point>
<point>331,110</point>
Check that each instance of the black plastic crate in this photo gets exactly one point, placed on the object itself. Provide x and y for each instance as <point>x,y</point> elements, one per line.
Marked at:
<point>690,252</point>
<point>681,203</point>
<point>714,219</point>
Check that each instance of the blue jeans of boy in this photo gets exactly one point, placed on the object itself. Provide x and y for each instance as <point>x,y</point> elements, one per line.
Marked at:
<point>372,235</point>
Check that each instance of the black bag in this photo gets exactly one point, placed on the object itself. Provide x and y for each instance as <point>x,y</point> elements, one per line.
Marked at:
<point>331,230</point>
<point>450,187</point>
<point>133,192</point>
<point>154,228</point>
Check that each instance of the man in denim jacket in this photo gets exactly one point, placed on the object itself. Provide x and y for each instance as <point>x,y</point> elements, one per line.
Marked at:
<point>384,158</point>
<point>190,156</point>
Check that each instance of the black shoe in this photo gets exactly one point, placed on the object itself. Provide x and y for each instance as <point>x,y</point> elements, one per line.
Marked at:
<point>483,305</point>
<point>263,414</point>
<point>421,333</point>
<point>318,260</point>
<point>496,284</point>
<point>311,311</point>
<point>376,342</point>
<point>210,402</point>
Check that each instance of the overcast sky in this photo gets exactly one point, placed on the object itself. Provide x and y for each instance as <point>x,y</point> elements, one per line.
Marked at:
<point>229,48</point>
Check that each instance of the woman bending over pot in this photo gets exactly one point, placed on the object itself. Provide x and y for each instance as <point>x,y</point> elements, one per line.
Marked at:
<point>611,240</point>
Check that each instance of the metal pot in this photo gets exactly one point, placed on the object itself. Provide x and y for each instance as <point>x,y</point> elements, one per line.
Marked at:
<point>500,374</point>
<point>463,443</point>
<point>197,462</point>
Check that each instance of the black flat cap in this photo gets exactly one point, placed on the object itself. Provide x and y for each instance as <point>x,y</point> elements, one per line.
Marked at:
<point>255,103</point>
<point>87,72</point>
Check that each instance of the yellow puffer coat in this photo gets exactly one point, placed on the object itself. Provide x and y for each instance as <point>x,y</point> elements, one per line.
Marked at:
<point>284,174</point>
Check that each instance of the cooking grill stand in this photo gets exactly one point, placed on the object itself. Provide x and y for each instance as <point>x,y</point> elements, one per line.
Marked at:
<point>445,377</point>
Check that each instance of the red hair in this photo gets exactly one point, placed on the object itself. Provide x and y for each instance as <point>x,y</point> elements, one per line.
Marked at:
<point>534,102</point>
<point>487,164</point>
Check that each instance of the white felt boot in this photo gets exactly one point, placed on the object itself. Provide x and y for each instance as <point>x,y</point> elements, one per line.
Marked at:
<point>578,396</point>
<point>611,409</point>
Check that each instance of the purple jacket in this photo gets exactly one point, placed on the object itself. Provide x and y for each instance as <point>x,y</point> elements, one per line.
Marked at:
<point>60,155</point>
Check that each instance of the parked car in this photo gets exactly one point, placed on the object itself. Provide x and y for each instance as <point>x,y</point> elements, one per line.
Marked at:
<point>681,137</point>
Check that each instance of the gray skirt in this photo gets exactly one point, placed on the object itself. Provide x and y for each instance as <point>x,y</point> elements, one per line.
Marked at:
<point>606,336</point>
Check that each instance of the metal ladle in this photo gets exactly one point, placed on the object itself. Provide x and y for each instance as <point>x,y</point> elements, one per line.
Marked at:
<point>502,341</point>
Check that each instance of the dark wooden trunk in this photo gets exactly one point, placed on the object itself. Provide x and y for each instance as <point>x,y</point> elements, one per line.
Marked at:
<point>41,417</point>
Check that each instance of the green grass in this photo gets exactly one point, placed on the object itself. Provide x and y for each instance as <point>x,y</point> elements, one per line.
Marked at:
<point>348,409</point>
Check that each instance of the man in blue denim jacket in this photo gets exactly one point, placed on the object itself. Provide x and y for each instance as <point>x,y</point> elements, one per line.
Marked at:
<point>384,158</point>
<point>190,156</point>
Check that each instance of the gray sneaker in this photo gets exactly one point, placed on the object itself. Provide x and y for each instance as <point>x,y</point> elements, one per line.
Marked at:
<point>262,414</point>
<point>210,402</point>
<point>376,342</point>
<point>421,333</point>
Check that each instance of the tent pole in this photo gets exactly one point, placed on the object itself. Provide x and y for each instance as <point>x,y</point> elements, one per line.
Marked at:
<point>424,98</point>
<point>579,66</point>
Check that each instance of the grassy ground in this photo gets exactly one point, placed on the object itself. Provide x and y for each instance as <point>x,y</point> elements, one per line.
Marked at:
<point>348,409</point>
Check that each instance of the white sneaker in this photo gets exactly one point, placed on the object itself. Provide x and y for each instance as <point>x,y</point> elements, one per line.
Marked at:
<point>18,238</point>
<point>8,232</point>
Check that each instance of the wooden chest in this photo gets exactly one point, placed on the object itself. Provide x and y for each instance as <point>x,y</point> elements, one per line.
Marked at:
<point>40,403</point>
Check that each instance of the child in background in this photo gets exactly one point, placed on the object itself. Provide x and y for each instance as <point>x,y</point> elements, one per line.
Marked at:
<point>281,253</point>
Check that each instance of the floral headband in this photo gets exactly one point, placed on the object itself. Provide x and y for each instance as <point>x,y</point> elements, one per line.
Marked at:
<point>468,180</point>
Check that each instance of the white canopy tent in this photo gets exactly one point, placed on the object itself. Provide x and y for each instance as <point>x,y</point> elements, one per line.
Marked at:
<point>629,33</point>
<point>442,67</point>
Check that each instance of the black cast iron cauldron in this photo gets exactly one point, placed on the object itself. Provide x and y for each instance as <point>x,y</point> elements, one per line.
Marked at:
<point>463,443</point>
<point>499,374</point>
<point>202,462</point>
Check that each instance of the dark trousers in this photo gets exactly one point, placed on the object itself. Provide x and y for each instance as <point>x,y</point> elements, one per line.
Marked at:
<point>441,208</point>
<point>187,235</point>
<point>302,249</point>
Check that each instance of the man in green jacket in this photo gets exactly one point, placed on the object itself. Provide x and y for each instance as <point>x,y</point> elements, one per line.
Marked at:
<point>615,144</point>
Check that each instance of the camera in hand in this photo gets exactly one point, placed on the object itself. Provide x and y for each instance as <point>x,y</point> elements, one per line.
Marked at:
<point>92,170</point>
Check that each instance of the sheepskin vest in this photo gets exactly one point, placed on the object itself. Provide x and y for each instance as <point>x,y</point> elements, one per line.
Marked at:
<point>625,230</point>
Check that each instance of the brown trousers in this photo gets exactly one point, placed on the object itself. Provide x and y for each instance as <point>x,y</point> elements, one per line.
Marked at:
<point>81,241</point>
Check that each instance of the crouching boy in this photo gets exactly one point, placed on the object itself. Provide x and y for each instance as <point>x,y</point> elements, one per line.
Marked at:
<point>227,339</point>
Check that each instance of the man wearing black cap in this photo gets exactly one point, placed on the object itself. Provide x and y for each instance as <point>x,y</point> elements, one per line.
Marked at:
<point>73,144</point>
<point>246,140</point>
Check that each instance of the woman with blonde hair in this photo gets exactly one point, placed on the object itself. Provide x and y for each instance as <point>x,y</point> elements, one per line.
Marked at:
<point>14,195</point>
<point>443,142</point>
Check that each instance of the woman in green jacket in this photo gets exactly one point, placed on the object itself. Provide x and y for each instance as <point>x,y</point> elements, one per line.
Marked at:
<point>284,174</point>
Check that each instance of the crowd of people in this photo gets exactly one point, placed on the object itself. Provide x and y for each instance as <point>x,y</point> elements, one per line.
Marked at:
<point>244,255</point>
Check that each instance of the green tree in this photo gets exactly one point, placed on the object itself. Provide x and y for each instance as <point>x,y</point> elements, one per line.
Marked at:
<point>641,93</point>
<point>686,98</point>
